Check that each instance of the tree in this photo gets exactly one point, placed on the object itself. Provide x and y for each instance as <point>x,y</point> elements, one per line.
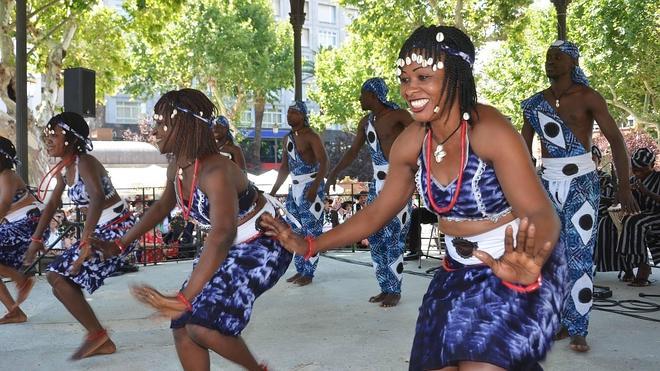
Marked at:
<point>230,49</point>
<point>619,45</point>
<point>51,31</point>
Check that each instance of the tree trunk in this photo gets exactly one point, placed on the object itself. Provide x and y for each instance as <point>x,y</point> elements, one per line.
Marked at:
<point>458,15</point>
<point>259,108</point>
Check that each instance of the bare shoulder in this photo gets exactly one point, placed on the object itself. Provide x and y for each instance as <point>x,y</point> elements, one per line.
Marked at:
<point>403,116</point>
<point>91,163</point>
<point>490,131</point>
<point>408,144</point>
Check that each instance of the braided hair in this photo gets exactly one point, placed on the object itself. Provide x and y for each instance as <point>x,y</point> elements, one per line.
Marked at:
<point>192,129</point>
<point>459,79</point>
<point>78,133</point>
<point>7,154</point>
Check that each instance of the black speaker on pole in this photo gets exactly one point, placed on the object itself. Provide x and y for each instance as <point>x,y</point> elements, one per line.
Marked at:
<point>80,91</point>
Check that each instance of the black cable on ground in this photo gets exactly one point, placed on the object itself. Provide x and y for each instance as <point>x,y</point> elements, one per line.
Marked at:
<point>631,307</point>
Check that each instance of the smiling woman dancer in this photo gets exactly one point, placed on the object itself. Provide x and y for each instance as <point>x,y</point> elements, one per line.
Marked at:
<point>496,304</point>
<point>19,215</point>
<point>237,263</point>
<point>107,217</point>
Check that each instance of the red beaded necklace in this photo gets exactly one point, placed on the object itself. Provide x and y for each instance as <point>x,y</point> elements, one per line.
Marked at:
<point>48,178</point>
<point>452,202</point>
<point>186,209</point>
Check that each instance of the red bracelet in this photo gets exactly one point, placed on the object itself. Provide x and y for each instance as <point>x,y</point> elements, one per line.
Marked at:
<point>524,289</point>
<point>311,246</point>
<point>120,246</point>
<point>184,301</point>
<point>39,240</point>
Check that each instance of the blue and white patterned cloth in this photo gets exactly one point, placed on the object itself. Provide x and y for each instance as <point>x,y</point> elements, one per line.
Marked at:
<point>309,214</point>
<point>378,86</point>
<point>569,48</point>
<point>386,245</point>
<point>250,269</point>
<point>571,181</point>
<point>15,238</point>
<point>94,271</point>
<point>468,315</point>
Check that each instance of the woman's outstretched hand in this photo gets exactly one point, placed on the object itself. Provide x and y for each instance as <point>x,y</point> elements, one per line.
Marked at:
<point>522,262</point>
<point>281,231</point>
<point>166,306</point>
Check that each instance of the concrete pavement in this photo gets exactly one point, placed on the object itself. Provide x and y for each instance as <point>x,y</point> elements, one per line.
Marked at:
<point>328,325</point>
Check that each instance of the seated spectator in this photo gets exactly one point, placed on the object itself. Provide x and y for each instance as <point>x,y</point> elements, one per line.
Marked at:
<point>634,228</point>
<point>331,216</point>
<point>54,236</point>
<point>420,215</point>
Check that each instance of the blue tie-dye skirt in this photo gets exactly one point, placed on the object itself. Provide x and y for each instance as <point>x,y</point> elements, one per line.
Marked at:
<point>225,303</point>
<point>15,238</point>
<point>468,315</point>
<point>95,270</point>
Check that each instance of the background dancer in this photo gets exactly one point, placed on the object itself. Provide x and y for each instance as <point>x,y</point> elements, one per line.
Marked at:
<point>237,263</point>
<point>565,126</point>
<point>379,129</point>
<point>106,217</point>
<point>479,182</point>
<point>225,140</point>
<point>19,215</point>
<point>306,158</point>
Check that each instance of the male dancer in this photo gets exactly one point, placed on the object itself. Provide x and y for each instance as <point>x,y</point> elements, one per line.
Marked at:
<point>563,117</point>
<point>380,128</point>
<point>305,157</point>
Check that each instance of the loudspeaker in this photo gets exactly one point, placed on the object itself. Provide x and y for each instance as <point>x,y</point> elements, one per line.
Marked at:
<point>80,91</point>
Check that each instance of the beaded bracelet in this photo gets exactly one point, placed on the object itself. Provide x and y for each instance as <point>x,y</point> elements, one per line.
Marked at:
<point>38,240</point>
<point>524,289</point>
<point>184,301</point>
<point>311,246</point>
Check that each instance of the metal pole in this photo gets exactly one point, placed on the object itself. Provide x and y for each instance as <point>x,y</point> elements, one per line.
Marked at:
<point>297,18</point>
<point>21,90</point>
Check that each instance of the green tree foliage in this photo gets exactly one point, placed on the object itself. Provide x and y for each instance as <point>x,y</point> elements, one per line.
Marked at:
<point>619,42</point>
<point>231,49</point>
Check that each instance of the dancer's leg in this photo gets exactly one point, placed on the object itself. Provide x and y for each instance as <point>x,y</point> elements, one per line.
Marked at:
<point>232,348</point>
<point>191,355</point>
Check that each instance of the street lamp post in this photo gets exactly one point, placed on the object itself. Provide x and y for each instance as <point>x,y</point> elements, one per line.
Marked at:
<point>560,7</point>
<point>21,89</point>
<point>297,19</point>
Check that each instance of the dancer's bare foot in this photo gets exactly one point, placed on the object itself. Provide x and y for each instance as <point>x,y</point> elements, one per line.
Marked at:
<point>15,315</point>
<point>294,278</point>
<point>378,298</point>
<point>304,281</point>
<point>24,289</point>
<point>390,300</point>
<point>561,334</point>
<point>579,344</point>
<point>95,344</point>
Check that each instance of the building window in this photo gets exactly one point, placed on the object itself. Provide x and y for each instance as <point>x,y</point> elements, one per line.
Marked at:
<point>272,116</point>
<point>327,13</point>
<point>246,119</point>
<point>128,112</point>
<point>327,39</point>
<point>304,39</point>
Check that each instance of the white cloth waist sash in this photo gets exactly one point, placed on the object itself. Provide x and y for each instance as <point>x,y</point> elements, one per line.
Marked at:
<point>491,242</point>
<point>109,212</point>
<point>298,183</point>
<point>21,213</point>
<point>567,168</point>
